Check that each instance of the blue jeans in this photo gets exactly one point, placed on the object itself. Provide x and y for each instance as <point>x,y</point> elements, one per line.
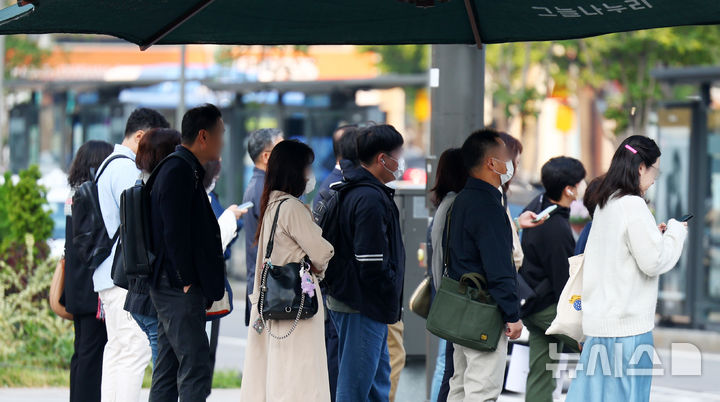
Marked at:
<point>149,325</point>
<point>439,371</point>
<point>364,361</point>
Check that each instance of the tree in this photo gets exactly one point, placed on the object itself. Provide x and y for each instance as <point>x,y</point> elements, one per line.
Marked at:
<point>627,59</point>
<point>621,61</point>
<point>401,59</point>
<point>22,52</point>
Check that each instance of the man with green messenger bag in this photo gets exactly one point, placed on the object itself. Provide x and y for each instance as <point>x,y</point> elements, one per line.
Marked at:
<point>477,307</point>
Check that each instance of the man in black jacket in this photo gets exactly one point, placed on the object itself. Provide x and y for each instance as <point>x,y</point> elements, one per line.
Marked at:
<point>189,272</point>
<point>366,276</point>
<point>545,269</point>
<point>480,241</point>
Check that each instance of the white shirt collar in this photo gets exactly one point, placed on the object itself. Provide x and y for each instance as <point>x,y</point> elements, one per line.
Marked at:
<point>123,150</point>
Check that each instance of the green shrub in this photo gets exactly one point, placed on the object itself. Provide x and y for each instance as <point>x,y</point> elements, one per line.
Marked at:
<point>31,335</point>
<point>23,210</point>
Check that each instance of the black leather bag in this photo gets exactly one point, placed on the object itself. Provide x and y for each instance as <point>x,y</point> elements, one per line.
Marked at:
<point>281,295</point>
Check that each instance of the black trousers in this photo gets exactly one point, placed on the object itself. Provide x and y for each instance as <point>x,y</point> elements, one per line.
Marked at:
<point>87,359</point>
<point>183,362</point>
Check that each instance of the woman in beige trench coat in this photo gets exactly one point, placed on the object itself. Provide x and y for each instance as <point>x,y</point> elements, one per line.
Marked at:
<point>295,368</point>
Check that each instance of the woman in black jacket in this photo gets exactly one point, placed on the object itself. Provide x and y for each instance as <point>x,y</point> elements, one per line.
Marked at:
<point>79,297</point>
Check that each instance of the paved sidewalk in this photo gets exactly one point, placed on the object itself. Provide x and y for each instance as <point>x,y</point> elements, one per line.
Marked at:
<point>659,394</point>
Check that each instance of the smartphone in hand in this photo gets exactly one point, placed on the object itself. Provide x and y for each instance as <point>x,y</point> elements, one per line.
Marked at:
<point>246,205</point>
<point>545,213</point>
<point>686,218</point>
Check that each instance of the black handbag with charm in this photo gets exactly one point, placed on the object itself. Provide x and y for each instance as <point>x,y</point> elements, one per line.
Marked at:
<point>281,294</point>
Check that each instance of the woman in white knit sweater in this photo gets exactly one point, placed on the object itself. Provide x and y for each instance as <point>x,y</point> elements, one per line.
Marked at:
<point>626,253</point>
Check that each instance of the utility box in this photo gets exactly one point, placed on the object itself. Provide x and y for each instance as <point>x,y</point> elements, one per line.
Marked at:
<point>412,203</point>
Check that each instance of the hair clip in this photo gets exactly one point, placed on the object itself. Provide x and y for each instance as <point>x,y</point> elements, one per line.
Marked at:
<point>631,149</point>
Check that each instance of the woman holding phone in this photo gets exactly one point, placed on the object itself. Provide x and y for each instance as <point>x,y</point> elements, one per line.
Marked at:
<point>626,253</point>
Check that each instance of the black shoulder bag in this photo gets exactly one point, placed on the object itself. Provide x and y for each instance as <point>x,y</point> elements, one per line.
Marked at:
<point>281,294</point>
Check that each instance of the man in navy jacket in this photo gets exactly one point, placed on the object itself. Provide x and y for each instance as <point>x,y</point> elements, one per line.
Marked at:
<point>480,241</point>
<point>189,273</point>
<point>365,279</point>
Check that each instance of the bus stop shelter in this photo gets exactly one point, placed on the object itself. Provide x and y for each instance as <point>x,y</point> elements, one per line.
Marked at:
<point>459,28</point>
<point>458,79</point>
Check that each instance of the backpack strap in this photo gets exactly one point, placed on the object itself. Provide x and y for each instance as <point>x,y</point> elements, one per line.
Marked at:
<point>105,165</point>
<point>271,241</point>
<point>97,177</point>
<point>446,248</point>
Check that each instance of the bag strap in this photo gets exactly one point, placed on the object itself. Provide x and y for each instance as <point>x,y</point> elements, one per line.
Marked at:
<point>112,158</point>
<point>476,279</point>
<point>271,241</point>
<point>97,177</point>
<point>481,293</point>
<point>446,246</point>
<point>116,235</point>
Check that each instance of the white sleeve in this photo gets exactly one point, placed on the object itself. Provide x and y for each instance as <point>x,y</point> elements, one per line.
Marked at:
<point>654,252</point>
<point>123,176</point>
<point>228,227</point>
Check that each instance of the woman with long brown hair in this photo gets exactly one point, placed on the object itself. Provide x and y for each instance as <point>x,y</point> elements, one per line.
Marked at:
<point>286,359</point>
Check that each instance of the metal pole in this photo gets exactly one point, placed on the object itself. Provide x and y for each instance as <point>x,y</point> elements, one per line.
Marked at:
<point>457,97</point>
<point>180,111</point>
<point>457,93</point>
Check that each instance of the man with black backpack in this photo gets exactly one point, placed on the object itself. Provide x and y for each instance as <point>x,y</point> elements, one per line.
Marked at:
<point>365,278</point>
<point>127,351</point>
<point>189,270</point>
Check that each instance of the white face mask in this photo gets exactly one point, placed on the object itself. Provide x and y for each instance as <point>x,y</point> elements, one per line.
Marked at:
<point>505,177</point>
<point>398,174</point>
<point>211,187</point>
<point>310,184</point>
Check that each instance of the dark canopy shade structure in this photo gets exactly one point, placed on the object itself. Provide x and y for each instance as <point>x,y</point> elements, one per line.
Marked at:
<point>146,22</point>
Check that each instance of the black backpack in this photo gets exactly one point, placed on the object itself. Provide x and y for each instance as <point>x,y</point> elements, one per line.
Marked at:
<point>135,232</point>
<point>90,237</point>
<point>326,214</point>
